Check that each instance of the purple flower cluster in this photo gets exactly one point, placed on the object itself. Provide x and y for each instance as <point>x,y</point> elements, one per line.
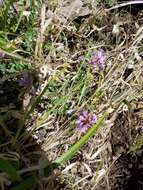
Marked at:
<point>85,121</point>
<point>98,59</point>
<point>25,80</point>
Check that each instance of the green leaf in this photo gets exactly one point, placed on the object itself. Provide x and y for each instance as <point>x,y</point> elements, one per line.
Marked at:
<point>110,2</point>
<point>2,67</point>
<point>7,167</point>
<point>26,184</point>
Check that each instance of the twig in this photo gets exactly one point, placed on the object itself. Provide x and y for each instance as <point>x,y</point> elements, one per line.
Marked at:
<point>15,56</point>
<point>124,4</point>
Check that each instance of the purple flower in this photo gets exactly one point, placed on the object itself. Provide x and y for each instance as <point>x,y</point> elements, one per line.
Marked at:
<point>85,121</point>
<point>98,59</point>
<point>25,80</point>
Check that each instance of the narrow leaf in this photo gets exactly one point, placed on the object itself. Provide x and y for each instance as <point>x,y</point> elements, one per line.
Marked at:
<point>26,184</point>
<point>7,167</point>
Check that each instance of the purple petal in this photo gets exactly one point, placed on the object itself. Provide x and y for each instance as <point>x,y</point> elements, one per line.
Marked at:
<point>84,113</point>
<point>81,118</point>
<point>83,129</point>
<point>95,54</point>
<point>100,53</point>
<point>25,80</point>
<point>91,62</point>
<point>80,125</point>
<point>78,122</point>
<point>93,119</point>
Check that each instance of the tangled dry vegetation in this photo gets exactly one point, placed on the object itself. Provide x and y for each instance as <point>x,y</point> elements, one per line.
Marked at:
<point>68,32</point>
<point>119,33</point>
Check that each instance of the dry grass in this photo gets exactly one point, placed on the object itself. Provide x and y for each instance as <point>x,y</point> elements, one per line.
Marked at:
<point>90,166</point>
<point>73,34</point>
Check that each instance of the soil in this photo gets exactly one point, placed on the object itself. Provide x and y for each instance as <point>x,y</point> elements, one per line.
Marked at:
<point>127,170</point>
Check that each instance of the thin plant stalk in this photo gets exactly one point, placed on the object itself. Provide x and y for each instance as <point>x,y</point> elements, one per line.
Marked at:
<point>29,111</point>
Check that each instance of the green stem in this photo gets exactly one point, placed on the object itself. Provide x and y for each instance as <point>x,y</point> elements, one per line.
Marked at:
<point>29,111</point>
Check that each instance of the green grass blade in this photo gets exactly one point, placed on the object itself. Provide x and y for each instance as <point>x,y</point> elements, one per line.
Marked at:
<point>67,155</point>
<point>7,167</point>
